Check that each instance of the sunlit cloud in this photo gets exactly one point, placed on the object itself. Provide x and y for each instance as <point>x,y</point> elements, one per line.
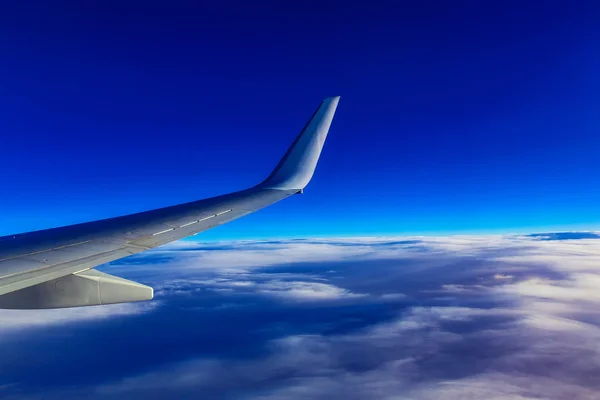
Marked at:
<point>19,320</point>
<point>495,317</point>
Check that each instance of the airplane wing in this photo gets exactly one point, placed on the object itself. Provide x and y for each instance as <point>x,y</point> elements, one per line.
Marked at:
<point>53,268</point>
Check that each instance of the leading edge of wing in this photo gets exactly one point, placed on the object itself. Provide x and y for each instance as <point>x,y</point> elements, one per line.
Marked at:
<point>293,172</point>
<point>31,258</point>
<point>297,166</point>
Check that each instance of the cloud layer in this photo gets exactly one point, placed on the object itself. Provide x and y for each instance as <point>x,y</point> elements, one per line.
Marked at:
<point>496,317</point>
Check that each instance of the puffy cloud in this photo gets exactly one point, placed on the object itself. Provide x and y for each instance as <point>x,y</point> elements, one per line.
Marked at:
<point>415,356</point>
<point>305,291</point>
<point>393,296</point>
<point>539,292</point>
<point>276,288</point>
<point>18,320</point>
<point>461,317</point>
<point>241,256</point>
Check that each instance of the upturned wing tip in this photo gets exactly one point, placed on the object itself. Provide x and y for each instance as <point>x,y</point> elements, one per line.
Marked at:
<point>297,166</point>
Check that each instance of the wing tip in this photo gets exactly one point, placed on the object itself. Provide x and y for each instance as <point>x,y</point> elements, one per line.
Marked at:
<point>332,99</point>
<point>297,166</point>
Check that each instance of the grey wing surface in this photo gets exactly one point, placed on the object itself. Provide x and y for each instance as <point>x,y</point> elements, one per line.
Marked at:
<point>53,268</point>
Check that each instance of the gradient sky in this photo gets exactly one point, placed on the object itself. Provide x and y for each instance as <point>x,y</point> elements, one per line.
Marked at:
<point>463,116</point>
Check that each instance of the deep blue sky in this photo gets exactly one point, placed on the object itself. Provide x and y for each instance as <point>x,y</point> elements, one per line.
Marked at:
<point>455,116</point>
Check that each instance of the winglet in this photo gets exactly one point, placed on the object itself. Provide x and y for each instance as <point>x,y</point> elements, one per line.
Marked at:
<point>297,166</point>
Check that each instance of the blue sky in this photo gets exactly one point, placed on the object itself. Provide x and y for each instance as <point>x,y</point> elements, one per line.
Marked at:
<point>455,117</point>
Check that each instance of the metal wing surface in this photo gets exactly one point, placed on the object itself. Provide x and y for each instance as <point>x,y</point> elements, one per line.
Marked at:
<point>53,268</point>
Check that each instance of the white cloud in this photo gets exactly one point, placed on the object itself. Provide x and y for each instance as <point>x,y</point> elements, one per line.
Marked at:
<point>316,363</point>
<point>17,320</point>
<point>501,386</point>
<point>243,256</point>
<point>389,360</point>
<point>305,291</point>
<point>573,289</point>
<point>519,322</point>
<point>260,255</point>
<point>549,323</point>
<point>541,316</point>
<point>393,296</point>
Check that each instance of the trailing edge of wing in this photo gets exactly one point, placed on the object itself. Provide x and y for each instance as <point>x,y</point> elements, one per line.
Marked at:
<point>86,288</point>
<point>297,166</point>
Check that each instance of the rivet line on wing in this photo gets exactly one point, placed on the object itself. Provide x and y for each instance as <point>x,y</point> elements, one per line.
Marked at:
<point>193,222</point>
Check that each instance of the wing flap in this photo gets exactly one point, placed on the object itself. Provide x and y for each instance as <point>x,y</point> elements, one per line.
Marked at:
<point>87,288</point>
<point>33,277</point>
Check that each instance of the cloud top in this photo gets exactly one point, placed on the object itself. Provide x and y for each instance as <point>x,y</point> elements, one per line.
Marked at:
<point>462,317</point>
